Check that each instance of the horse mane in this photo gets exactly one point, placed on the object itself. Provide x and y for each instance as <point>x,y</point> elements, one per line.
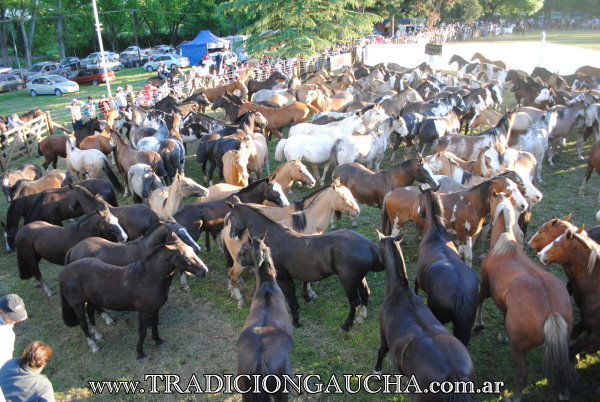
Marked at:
<point>506,243</point>
<point>405,164</point>
<point>590,245</point>
<point>299,205</point>
<point>437,209</point>
<point>252,185</point>
<point>267,274</point>
<point>267,218</point>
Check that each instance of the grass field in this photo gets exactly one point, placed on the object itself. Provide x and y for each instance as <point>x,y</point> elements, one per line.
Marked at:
<point>201,328</point>
<point>585,39</point>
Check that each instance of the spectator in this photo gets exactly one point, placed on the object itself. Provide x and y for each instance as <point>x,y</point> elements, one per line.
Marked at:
<point>12,311</point>
<point>121,99</point>
<point>89,109</point>
<point>149,90</point>
<point>140,99</point>
<point>104,105</point>
<point>21,378</point>
<point>14,121</point>
<point>130,96</point>
<point>163,72</point>
<point>76,118</point>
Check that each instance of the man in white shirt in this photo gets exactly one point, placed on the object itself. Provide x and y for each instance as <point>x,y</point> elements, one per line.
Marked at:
<point>12,310</point>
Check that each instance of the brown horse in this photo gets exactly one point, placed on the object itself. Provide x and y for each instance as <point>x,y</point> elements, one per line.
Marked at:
<point>92,285</point>
<point>535,304</point>
<point>483,59</point>
<point>370,187</point>
<point>578,255</point>
<point>100,142</point>
<point>213,93</point>
<point>26,171</point>
<point>593,164</point>
<point>53,179</point>
<point>278,118</point>
<point>51,148</point>
<point>265,344</point>
<point>88,129</point>
<point>419,343</point>
<point>588,70</point>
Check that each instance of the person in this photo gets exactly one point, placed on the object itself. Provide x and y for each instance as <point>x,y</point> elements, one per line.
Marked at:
<point>130,96</point>
<point>163,71</point>
<point>76,117</point>
<point>12,311</point>
<point>104,105</point>
<point>148,93</point>
<point>140,99</point>
<point>121,99</point>
<point>89,109</point>
<point>21,379</point>
<point>14,121</point>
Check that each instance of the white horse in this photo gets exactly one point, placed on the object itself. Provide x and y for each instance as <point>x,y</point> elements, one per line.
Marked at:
<point>89,163</point>
<point>535,140</point>
<point>142,180</point>
<point>315,147</point>
<point>153,142</point>
<point>369,147</point>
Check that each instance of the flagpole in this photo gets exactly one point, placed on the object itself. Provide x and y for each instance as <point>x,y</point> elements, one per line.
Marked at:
<point>102,55</point>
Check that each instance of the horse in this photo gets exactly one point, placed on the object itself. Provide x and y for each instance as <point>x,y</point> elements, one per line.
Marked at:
<point>433,128</point>
<point>172,151</point>
<point>53,206</point>
<point>40,239</point>
<point>535,304</point>
<point>208,217</point>
<point>269,83</point>
<point>370,187</point>
<point>215,150</point>
<point>487,165</point>
<point>26,171</point>
<point>279,118</point>
<point>141,181</point>
<point>451,286</point>
<point>86,130</point>
<point>213,93</point>
<point>142,286</point>
<point>592,164</point>
<point>464,211</point>
<point>420,344</point>
<point>311,215</point>
<point>53,179</point>
<point>152,142</point>
<point>483,59</point>
<point>588,70</point>
<point>165,201</point>
<point>265,344</point>
<point>491,119</point>
<point>51,147</point>
<point>235,167</point>
<point>91,162</point>
<point>345,253</point>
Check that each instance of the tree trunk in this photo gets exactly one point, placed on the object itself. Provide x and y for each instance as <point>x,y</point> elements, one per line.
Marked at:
<point>4,39</point>
<point>393,25</point>
<point>26,48</point>
<point>59,31</point>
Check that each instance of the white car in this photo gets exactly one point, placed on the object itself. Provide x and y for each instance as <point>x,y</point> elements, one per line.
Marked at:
<point>171,61</point>
<point>111,63</point>
<point>132,51</point>
<point>106,54</point>
<point>227,57</point>
<point>51,85</point>
<point>163,49</point>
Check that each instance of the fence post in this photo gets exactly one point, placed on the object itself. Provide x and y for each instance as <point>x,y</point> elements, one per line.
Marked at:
<point>49,123</point>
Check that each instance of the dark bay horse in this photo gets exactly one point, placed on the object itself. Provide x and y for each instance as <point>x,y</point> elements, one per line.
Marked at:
<point>265,344</point>
<point>255,85</point>
<point>451,286</point>
<point>26,171</point>
<point>91,285</point>
<point>535,304</point>
<point>40,239</point>
<point>51,148</point>
<point>52,206</point>
<point>88,129</point>
<point>208,216</point>
<point>370,187</point>
<point>344,253</point>
<point>420,344</point>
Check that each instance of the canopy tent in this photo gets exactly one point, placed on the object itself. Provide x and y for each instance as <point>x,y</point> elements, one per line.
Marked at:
<point>200,45</point>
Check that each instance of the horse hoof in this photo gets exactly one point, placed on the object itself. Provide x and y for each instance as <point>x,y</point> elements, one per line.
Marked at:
<point>296,324</point>
<point>502,338</point>
<point>186,289</point>
<point>345,327</point>
<point>142,359</point>
<point>160,343</point>
<point>359,320</point>
<point>478,327</point>
<point>98,336</point>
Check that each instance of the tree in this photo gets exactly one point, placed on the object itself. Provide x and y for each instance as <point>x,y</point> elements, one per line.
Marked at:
<point>289,28</point>
<point>507,8</point>
<point>60,37</point>
<point>471,10</point>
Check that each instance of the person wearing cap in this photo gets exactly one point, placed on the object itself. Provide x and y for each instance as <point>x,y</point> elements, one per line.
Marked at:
<point>12,311</point>
<point>76,117</point>
<point>21,379</point>
<point>89,110</point>
<point>121,99</point>
<point>104,105</point>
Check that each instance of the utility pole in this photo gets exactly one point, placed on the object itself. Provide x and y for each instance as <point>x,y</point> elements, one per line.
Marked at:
<point>137,43</point>
<point>102,55</point>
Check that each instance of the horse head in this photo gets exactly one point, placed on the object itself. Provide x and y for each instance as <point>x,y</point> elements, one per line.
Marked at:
<point>184,258</point>
<point>550,231</point>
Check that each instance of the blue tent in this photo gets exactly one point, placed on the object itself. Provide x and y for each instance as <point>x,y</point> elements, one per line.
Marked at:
<point>198,47</point>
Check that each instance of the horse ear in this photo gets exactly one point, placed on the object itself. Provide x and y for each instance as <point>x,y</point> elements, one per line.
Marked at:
<point>567,218</point>
<point>299,160</point>
<point>199,222</point>
<point>337,182</point>
<point>380,235</point>
<point>230,204</point>
<point>569,234</point>
<point>263,236</point>
<point>581,229</point>
<point>494,193</point>
<point>554,222</point>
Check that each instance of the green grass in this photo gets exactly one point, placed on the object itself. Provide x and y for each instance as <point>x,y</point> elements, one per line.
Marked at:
<point>584,39</point>
<point>201,328</point>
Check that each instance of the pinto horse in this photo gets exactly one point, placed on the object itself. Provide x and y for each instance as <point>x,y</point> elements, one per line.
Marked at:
<point>90,285</point>
<point>451,286</point>
<point>420,344</point>
<point>345,253</point>
<point>535,304</point>
<point>265,344</point>
<point>370,187</point>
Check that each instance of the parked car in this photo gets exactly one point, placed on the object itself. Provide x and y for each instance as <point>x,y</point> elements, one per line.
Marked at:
<point>134,51</point>
<point>69,61</point>
<point>51,84</point>
<point>93,76</point>
<point>171,60</point>
<point>133,61</point>
<point>43,68</point>
<point>10,82</point>
<point>163,49</point>
<point>106,54</point>
<point>227,57</point>
<point>111,62</point>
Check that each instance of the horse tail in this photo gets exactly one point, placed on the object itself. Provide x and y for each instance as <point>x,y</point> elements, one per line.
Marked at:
<point>39,149</point>
<point>557,367</point>
<point>465,308</point>
<point>69,316</point>
<point>111,175</point>
<point>279,155</point>
<point>171,164</point>
<point>333,159</point>
<point>386,225</point>
<point>160,169</point>
<point>260,368</point>
<point>24,263</point>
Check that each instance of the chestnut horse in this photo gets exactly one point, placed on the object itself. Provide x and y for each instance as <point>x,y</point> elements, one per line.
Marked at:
<point>278,118</point>
<point>213,93</point>
<point>51,148</point>
<point>535,304</point>
<point>483,59</point>
<point>592,164</point>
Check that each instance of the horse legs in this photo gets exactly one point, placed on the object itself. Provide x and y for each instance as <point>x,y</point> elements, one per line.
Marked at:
<point>234,273</point>
<point>307,292</point>
<point>588,342</point>
<point>206,241</point>
<point>80,312</point>
<point>91,313</point>
<point>325,169</point>
<point>484,293</point>
<point>467,251</point>
<point>520,359</point>
<point>588,174</point>
<point>155,336</point>
<point>354,301</point>
<point>144,321</point>
<point>315,167</point>
<point>580,144</point>
<point>363,293</point>
<point>286,283</point>
<point>383,349</point>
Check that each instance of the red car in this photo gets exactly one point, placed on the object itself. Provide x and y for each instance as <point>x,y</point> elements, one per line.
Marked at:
<point>92,76</point>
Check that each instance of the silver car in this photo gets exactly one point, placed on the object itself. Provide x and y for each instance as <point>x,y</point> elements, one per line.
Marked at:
<point>51,85</point>
<point>9,82</point>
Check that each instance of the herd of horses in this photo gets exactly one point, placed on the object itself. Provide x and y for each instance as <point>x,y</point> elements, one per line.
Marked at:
<point>471,188</point>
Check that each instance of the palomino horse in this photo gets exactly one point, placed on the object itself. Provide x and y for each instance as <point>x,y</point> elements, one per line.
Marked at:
<point>486,165</point>
<point>370,187</point>
<point>410,330</point>
<point>141,181</point>
<point>464,211</point>
<point>26,171</point>
<point>491,118</point>
<point>213,93</point>
<point>39,240</point>
<point>345,253</point>
<point>451,286</point>
<point>265,345</point>
<point>235,166</point>
<point>89,285</point>
<point>535,304</point>
<point>312,215</point>
<point>165,201</point>
<point>53,179</point>
<point>483,59</point>
<point>91,163</point>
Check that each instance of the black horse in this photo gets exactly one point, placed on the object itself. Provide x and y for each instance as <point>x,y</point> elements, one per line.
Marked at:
<point>255,85</point>
<point>452,287</point>
<point>344,253</point>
